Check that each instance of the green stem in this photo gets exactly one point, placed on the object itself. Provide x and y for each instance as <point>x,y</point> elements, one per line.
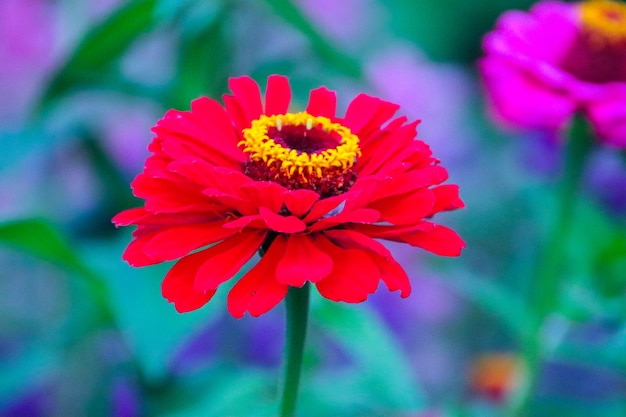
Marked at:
<point>297,304</point>
<point>548,279</point>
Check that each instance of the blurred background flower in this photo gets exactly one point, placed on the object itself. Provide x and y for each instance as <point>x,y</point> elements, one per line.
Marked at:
<point>82,82</point>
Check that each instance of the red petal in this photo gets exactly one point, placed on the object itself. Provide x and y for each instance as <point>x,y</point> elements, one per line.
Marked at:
<point>394,276</point>
<point>226,258</point>
<point>258,291</point>
<point>325,206</point>
<point>281,224</point>
<point>347,238</point>
<point>406,208</point>
<point>322,102</point>
<point>173,242</point>
<point>355,216</point>
<point>385,150</point>
<point>236,112</point>
<point>299,202</point>
<point>245,221</point>
<point>302,261</point>
<point>209,175</point>
<point>440,241</point>
<point>354,275</point>
<point>264,194</point>
<point>134,254</point>
<point>366,113</point>
<point>130,216</point>
<point>213,117</point>
<point>247,92</point>
<point>277,95</point>
<point>447,198</point>
<point>394,233</point>
<point>178,284</point>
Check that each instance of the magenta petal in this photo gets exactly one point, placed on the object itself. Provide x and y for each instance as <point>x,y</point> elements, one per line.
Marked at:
<point>302,261</point>
<point>226,258</point>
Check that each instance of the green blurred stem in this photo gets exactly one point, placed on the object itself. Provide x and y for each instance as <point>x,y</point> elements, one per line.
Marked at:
<point>297,304</point>
<point>548,279</point>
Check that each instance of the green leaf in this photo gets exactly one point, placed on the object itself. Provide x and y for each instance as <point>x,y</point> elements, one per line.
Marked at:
<point>290,13</point>
<point>203,57</point>
<point>381,366</point>
<point>41,240</point>
<point>100,46</point>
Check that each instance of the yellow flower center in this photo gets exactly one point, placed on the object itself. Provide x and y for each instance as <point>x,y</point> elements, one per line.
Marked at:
<point>604,21</point>
<point>299,150</point>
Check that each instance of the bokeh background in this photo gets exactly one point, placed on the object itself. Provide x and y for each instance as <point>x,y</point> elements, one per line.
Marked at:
<point>83,334</point>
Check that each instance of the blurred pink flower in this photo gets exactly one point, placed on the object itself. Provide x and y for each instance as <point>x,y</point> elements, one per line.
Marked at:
<point>560,58</point>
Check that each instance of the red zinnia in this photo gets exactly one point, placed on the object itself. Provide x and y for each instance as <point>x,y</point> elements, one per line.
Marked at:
<point>310,191</point>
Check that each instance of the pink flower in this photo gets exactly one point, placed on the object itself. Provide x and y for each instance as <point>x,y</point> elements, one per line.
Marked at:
<point>560,58</point>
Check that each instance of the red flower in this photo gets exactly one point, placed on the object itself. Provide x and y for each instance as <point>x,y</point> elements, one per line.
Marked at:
<point>311,191</point>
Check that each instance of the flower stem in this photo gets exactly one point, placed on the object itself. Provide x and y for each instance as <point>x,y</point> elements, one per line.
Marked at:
<point>549,276</point>
<point>297,304</point>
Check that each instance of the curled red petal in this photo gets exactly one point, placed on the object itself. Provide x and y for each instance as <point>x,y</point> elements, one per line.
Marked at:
<point>354,275</point>
<point>394,276</point>
<point>440,240</point>
<point>281,224</point>
<point>178,284</point>
<point>302,261</point>
<point>447,198</point>
<point>130,216</point>
<point>258,291</point>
